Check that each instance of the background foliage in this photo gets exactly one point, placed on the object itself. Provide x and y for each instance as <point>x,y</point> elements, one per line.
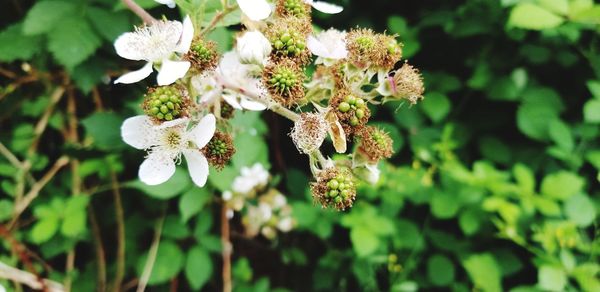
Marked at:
<point>494,185</point>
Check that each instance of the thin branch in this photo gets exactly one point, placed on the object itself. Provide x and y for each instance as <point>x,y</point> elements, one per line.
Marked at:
<point>139,11</point>
<point>218,17</point>
<point>119,217</point>
<point>227,249</point>
<point>151,256</point>
<point>100,254</point>
<point>43,122</point>
<point>10,156</point>
<point>37,187</point>
<point>29,279</point>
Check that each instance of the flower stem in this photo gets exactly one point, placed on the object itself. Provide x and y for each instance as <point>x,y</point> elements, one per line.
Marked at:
<point>226,253</point>
<point>139,11</point>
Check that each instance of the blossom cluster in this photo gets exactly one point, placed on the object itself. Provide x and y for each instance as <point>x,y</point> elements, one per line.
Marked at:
<point>199,89</point>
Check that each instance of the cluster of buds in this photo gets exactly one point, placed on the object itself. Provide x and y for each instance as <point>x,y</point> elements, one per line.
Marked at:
<point>199,90</point>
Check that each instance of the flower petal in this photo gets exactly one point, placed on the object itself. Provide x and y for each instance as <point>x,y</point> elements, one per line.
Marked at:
<point>169,3</point>
<point>156,169</point>
<point>336,132</point>
<point>231,99</point>
<point>327,7</point>
<point>197,166</point>
<point>316,47</point>
<point>125,46</point>
<point>138,132</point>
<point>170,71</point>
<point>187,34</point>
<point>255,9</point>
<point>252,105</point>
<point>204,131</point>
<point>135,76</point>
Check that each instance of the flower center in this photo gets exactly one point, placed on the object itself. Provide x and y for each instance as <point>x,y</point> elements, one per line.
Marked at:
<point>355,104</point>
<point>173,140</point>
<point>289,44</point>
<point>365,43</point>
<point>202,52</point>
<point>283,80</point>
<point>217,147</point>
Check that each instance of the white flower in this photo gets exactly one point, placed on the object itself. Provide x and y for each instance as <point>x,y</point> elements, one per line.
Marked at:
<point>165,144</point>
<point>157,44</point>
<point>253,48</point>
<point>251,178</point>
<point>329,44</point>
<point>372,176</point>
<point>260,9</point>
<point>230,74</point>
<point>170,3</point>
<point>285,224</point>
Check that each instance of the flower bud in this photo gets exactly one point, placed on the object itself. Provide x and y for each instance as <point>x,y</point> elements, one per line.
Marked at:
<point>334,188</point>
<point>253,48</point>
<point>203,55</point>
<point>309,132</point>
<point>219,150</point>
<point>284,82</point>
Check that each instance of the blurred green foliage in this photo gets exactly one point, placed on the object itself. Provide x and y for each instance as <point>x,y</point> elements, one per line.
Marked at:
<point>494,185</point>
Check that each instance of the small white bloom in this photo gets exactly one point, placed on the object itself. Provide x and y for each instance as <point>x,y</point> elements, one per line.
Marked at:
<point>230,73</point>
<point>329,44</point>
<point>251,178</point>
<point>170,3</point>
<point>285,224</point>
<point>2,289</point>
<point>165,144</point>
<point>253,48</point>
<point>373,173</point>
<point>157,44</point>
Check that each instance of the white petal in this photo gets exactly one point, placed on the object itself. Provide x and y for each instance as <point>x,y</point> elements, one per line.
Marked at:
<point>339,53</point>
<point>231,99</point>
<point>173,123</point>
<point>316,47</point>
<point>135,76</point>
<point>125,45</point>
<point>253,105</point>
<point>170,71</point>
<point>187,35</point>
<point>138,132</point>
<point>156,169</point>
<point>197,166</point>
<point>255,9</point>
<point>169,3</point>
<point>204,131</point>
<point>327,7</point>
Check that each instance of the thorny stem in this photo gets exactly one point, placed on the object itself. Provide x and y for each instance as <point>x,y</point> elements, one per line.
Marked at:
<point>227,249</point>
<point>139,11</point>
<point>151,255</point>
<point>120,233</point>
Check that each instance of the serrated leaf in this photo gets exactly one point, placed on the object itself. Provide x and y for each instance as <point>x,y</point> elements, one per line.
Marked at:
<point>484,271</point>
<point>104,127</point>
<point>44,229</point>
<point>44,16</point>
<point>169,262</point>
<point>16,46</point>
<point>436,106</point>
<point>198,267</point>
<point>561,134</point>
<point>192,201</point>
<point>562,185</point>
<point>73,41</point>
<point>580,209</point>
<point>552,278</point>
<point>531,16</point>
<point>108,24</point>
<point>364,241</point>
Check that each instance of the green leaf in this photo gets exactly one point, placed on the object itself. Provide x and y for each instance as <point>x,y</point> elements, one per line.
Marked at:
<point>562,185</point>
<point>440,270</point>
<point>249,150</point>
<point>580,209</point>
<point>591,111</point>
<point>561,134</point>
<point>531,16</point>
<point>174,228</point>
<point>169,262</point>
<point>524,177</point>
<point>436,106</point>
<point>552,278</point>
<point>364,241</point>
<point>109,24</point>
<point>557,6</point>
<point>532,120</point>
<point>73,41</point>
<point>469,221</point>
<point>104,127</point>
<point>546,206</point>
<point>223,179</point>
<point>75,216</point>
<point>484,271</point>
<point>44,229</point>
<point>192,201</point>
<point>444,205</point>
<point>6,209</point>
<point>198,267</point>
<point>16,46</point>
<point>44,16</point>
<point>594,87</point>
<point>179,182</point>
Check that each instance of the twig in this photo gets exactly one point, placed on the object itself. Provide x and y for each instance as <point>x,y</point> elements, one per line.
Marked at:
<point>29,279</point>
<point>227,249</point>
<point>10,156</point>
<point>37,187</point>
<point>43,122</point>
<point>151,256</point>
<point>139,11</point>
<point>100,254</point>
<point>120,272</point>
<point>218,17</point>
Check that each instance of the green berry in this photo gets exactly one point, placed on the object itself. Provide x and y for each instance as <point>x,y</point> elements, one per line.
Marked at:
<point>344,107</point>
<point>354,121</point>
<point>333,184</point>
<point>360,113</point>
